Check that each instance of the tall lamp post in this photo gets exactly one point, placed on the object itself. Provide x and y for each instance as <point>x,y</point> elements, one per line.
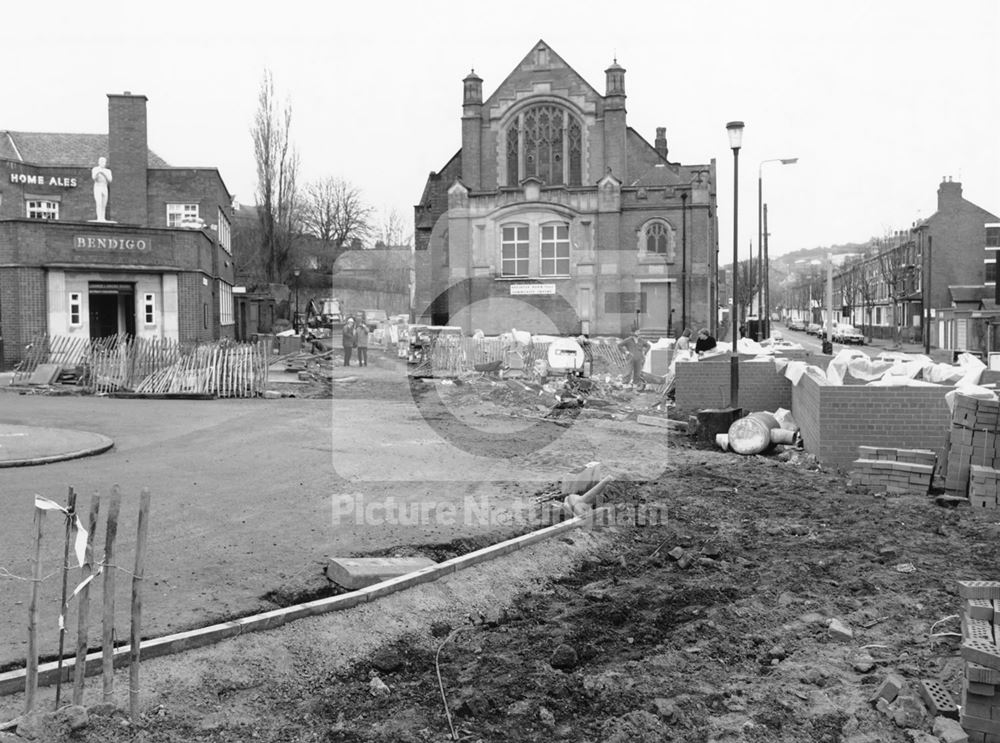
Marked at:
<point>764,297</point>
<point>295,273</point>
<point>735,130</point>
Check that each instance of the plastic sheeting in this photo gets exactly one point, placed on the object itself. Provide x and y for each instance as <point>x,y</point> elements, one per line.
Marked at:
<point>969,390</point>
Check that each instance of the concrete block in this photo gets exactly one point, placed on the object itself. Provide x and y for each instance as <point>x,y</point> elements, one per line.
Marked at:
<point>977,629</point>
<point>889,689</point>
<point>981,689</point>
<point>982,652</point>
<point>937,698</point>
<point>839,630</point>
<point>949,731</point>
<point>979,589</point>
<point>982,674</point>
<point>361,572</point>
<point>970,722</point>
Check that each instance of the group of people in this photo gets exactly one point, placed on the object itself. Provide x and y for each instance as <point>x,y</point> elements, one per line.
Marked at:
<point>355,338</point>
<point>636,347</point>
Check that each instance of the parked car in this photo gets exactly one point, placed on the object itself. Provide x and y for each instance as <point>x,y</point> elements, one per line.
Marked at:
<point>844,333</point>
<point>794,324</point>
<point>814,328</point>
<point>373,318</point>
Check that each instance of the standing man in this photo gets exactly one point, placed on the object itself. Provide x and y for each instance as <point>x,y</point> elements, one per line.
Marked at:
<point>349,337</point>
<point>102,178</point>
<point>361,340</point>
<point>636,348</point>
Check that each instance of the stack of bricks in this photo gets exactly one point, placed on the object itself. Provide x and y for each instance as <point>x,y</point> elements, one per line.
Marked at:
<point>984,486</point>
<point>980,708</point>
<point>894,470</point>
<point>973,440</point>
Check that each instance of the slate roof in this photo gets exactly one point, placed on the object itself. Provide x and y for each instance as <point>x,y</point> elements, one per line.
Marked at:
<point>45,148</point>
<point>964,294</point>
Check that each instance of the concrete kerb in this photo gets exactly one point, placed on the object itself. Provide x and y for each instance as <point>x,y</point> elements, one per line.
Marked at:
<point>13,681</point>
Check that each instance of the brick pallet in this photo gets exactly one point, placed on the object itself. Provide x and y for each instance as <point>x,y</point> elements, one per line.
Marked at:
<point>981,652</point>
<point>984,486</point>
<point>895,470</point>
<point>974,440</point>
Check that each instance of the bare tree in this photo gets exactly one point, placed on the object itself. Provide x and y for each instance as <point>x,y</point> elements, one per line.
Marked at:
<point>277,169</point>
<point>896,264</point>
<point>335,213</point>
<point>392,229</point>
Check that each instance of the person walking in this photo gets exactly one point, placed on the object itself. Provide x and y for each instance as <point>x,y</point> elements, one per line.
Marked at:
<point>636,348</point>
<point>349,337</point>
<point>361,341</point>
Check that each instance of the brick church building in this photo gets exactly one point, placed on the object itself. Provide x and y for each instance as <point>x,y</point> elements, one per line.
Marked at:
<point>555,216</point>
<point>158,264</point>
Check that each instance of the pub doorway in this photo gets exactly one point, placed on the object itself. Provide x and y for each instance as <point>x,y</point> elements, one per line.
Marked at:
<point>112,309</point>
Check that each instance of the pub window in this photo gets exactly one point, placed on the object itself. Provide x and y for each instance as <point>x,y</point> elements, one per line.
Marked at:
<point>225,233</point>
<point>991,272</point>
<point>993,236</point>
<point>225,303</point>
<point>514,250</point>
<point>555,250</point>
<point>178,213</point>
<point>74,309</point>
<point>149,308</point>
<point>42,209</point>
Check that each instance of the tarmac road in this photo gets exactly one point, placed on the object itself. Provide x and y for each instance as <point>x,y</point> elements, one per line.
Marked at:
<point>242,499</point>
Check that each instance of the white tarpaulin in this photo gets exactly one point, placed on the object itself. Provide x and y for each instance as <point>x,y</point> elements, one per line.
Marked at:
<point>969,390</point>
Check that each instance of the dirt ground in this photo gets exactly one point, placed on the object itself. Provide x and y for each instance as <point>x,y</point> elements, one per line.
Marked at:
<point>735,647</point>
<point>603,635</point>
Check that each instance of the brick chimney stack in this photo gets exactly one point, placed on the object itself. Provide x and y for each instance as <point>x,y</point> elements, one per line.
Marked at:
<point>128,158</point>
<point>949,194</point>
<point>660,143</point>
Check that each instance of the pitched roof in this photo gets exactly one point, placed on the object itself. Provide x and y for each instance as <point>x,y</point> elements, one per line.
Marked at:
<point>964,294</point>
<point>68,149</point>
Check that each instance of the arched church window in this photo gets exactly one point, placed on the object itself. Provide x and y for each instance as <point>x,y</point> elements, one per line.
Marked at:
<point>656,238</point>
<point>548,146</point>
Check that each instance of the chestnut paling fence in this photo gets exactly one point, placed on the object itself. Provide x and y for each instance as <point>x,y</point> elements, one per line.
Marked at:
<point>124,363</point>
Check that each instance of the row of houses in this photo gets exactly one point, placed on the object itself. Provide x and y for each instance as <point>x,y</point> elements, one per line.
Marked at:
<point>933,282</point>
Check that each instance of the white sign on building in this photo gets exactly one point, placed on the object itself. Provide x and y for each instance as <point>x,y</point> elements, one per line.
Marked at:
<point>523,289</point>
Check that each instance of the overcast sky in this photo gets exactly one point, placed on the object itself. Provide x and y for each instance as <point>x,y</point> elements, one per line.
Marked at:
<point>878,99</point>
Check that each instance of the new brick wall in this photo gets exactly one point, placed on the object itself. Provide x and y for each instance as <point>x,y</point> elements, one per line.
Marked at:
<point>835,420</point>
<point>705,384</point>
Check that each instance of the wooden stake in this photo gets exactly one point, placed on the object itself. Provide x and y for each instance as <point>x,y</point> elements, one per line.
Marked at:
<point>31,662</point>
<point>108,634</point>
<point>70,532</point>
<point>79,669</point>
<point>137,576</point>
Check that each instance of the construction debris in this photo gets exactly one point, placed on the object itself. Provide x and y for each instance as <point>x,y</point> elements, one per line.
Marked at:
<point>980,703</point>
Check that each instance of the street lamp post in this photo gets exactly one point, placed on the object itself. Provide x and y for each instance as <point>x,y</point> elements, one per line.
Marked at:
<point>764,297</point>
<point>735,130</point>
<point>295,273</point>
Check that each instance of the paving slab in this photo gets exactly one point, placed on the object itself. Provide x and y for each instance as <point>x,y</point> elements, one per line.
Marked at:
<point>30,445</point>
<point>361,572</point>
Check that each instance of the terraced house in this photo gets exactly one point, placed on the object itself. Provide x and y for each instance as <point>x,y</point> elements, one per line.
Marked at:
<point>99,236</point>
<point>556,216</point>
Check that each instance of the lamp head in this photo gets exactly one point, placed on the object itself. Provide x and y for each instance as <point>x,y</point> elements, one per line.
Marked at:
<point>735,129</point>
<point>789,161</point>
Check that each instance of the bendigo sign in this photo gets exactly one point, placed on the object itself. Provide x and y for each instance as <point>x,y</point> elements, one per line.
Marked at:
<point>104,242</point>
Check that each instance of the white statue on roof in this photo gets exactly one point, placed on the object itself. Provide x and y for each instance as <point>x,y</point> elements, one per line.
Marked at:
<point>102,177</point>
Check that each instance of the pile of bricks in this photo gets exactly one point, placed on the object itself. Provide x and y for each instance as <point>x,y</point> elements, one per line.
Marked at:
<point>984,485</point>
<point>894,470</point>
<point>981,651</point>
<point>973,440</point>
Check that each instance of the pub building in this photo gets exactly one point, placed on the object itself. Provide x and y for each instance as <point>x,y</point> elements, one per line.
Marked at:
<point>100,236</point>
